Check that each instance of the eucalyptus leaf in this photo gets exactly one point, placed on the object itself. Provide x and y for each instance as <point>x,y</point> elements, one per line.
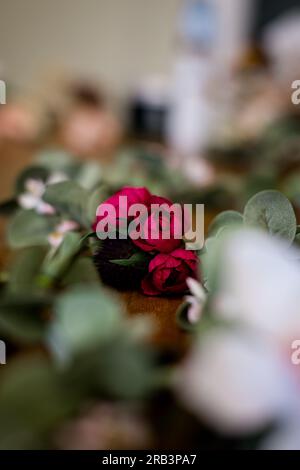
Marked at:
<point>27,228</point>
<point>25,269</point>
<point>84,317</point>
<point>224,219</point>
<point>96,197</point>
<point>271,211</point>
<point>33,403</point>
<point>54,160</point>
<point>69,199</point>
<point>54,267</point>
<point>81,271</point>
<point>291,187</point>
<point>209,262</point>
<point>89,174</point>
<point>33,172</point>
<point>119,367</point>
<point>21,317</point>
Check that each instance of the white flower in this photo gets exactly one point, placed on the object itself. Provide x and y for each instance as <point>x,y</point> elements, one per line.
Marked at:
<point>32,197</point>
<point>196,300</point>
<point>260,279</point>
<point>56,237</point>
<point>241,378</point>
<point>237,382</point>
<point>34,190</point>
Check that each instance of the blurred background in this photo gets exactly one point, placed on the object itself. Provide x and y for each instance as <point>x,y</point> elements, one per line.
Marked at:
<point>137,50</point>
<point>188,75</point>
<point>190,98</point>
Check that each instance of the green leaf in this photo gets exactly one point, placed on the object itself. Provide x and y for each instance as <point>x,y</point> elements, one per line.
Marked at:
<point>210,262</point>
<point>271,211</point>
<point>25,269</point>
<point>136,259</point>
<point>297,239</point>
<point>88,175</point>
<point>120,368</point>
<point>259,181</point>
<point>54,160</point>
<point>97,196</point>
<point>54,267</point>
<point>86,239</point>
<point>84,317</point>
<point>69,199</point>
<point>291,187</point>
<point>81,271</point>
<point>21,317</point>
<point>32,172</point>
<point>33,403</point>
<point>224,219</point>
<point>27,228</point>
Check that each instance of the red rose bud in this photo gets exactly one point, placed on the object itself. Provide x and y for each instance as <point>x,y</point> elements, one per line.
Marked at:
<point>121,205</point>
<point>153,223</point>
<point>168,272</point>
<point>162,228</point>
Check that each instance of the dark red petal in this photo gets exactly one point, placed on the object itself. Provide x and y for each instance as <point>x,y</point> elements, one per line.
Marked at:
<point>147,286</point>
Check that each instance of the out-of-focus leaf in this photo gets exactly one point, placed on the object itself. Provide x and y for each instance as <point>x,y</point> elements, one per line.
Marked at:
<point>88,175</point>
<point>21,317</point>
<point>224,219</point>
<point>54,267</point>
<point>118,367</point>
<point>27,228</point>
<point>84,317</point>
<point>259,182</point>
<point>25,269</point>
<point>210,257</point>
<point>82,271</point>
<point>33,172</point>
<point>273,212</point>
<point>54,160</point>
<point>69,199</point>
<point>97,196</point>
<point>33,401</point>
<point>291,188</point>
<point>137,259</point>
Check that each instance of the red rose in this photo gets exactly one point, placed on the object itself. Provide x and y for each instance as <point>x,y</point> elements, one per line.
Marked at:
<point>134,196</point>
<point>161,229</point>
<point>158,223</point>
<point>168,272</point>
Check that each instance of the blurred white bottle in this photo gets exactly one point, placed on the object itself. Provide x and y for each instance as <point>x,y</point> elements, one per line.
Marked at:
<point>191,113</point>
<point>211,36</point>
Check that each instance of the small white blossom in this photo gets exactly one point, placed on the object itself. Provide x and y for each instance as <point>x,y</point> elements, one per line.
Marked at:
<point>196,300</point>
<point>34,190</point>
<point>32,197</point>
<point>56,237</point>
